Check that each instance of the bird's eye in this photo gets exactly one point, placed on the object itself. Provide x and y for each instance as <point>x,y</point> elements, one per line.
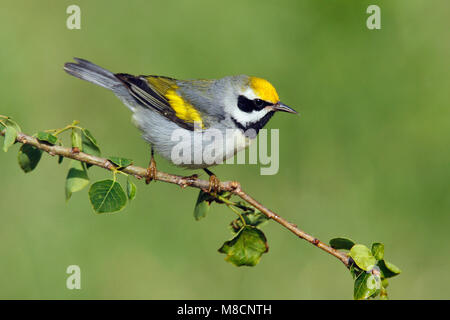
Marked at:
<point>248,105</point>
<point>259,102</point>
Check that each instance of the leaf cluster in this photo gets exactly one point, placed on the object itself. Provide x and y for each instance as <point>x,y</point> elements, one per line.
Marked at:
<point>248,242</point>
<point>106,196</point>
<point>369,269</point>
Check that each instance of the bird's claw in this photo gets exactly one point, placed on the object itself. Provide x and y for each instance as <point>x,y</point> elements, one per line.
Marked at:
<point>151,171</point>
<point>214,184</point>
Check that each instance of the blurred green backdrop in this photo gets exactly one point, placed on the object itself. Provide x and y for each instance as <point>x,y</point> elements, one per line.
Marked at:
<point>368,159</point>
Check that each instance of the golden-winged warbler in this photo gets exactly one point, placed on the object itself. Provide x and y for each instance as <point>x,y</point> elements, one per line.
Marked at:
<point>165,109</point>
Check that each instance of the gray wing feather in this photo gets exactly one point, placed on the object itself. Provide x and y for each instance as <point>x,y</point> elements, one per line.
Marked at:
<point>205,96</point>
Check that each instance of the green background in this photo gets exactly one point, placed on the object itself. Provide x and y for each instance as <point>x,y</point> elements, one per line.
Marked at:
<point>368,158</point>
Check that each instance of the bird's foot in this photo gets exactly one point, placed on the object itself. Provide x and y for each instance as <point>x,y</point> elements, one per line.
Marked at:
<point>214,182</point>
<point>151,171</point>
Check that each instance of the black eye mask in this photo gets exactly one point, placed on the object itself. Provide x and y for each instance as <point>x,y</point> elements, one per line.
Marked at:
<point>247,105</point>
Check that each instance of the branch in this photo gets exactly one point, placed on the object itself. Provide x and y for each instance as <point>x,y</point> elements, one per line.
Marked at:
<point>368,267</point>
<point>232,186</point>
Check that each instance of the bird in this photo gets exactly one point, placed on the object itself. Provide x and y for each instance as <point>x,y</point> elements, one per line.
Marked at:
<point>236,106</point>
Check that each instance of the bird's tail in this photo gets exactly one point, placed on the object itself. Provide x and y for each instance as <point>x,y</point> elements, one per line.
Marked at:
<point>88,71</point>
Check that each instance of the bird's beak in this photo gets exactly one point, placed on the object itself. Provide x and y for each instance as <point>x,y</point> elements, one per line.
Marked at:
<point>282,107</point>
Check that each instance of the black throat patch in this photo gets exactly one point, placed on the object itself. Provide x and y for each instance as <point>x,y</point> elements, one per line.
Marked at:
<point>256,126</point>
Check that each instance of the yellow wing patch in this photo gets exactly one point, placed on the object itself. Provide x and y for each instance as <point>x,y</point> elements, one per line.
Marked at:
<point>183,109</point>
<point>264,89</point>
<point>162,84</point>
<point>166,87</point>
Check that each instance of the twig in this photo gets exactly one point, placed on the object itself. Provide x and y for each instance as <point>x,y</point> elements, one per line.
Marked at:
<point>139,172</point>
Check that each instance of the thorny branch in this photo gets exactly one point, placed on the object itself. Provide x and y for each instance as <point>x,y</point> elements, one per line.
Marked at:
<point>232,186</point>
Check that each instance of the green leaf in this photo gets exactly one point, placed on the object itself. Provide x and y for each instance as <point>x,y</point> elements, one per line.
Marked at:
<point>378,250</point>
<point>10,137</point>
<point>393,268</point>
<point>342,243</point>
<point>355,271</point>
<point>11,123</point>
<point>363,257</point>
<point>246,248</point>
<point>89,143</point>
<point>77,178</point>
<point>28,157</point>
<point>45,136</point>
<point>131,189</point>
<point>388,270</point>
<point>202,205</point>
<point>366,285</point>
<point>252,217</point>
<point>120,162</point>
<point>76,139</point>
<point>107,196</point>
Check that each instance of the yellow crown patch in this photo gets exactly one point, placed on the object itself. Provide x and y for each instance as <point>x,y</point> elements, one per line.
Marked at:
<point>264,89</point>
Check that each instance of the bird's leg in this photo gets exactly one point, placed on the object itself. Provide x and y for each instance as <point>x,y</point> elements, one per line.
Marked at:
<point>151,170</point>
<point>214,182</point>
